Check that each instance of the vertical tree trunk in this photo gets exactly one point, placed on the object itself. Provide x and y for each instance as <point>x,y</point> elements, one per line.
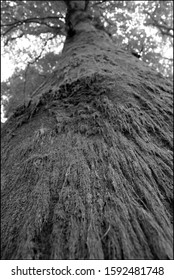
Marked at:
<point>87,165</point>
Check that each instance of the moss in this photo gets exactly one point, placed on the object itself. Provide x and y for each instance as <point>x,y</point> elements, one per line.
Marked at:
<point>88,171</point>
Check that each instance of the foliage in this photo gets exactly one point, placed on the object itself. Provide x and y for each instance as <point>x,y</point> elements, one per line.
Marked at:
<point>20,18</point>
<point>142,27</point>
<point>133,26</point>
<point>19,88</point>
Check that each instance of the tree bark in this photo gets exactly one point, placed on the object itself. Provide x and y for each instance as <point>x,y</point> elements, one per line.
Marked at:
<point>87,163</point>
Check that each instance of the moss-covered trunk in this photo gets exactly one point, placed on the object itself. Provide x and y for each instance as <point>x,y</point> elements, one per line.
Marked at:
<point>87,164</point>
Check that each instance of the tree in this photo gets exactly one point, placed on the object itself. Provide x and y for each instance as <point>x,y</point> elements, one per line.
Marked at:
<point>87,161</point>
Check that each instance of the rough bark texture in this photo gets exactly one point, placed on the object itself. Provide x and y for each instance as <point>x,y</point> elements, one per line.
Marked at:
<point>87,164</point>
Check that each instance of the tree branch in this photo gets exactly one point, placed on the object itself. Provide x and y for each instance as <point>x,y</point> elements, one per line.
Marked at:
<point>32,62</point>
<point>29,20</point>
<point>164,29</point>
<point>41,21</point>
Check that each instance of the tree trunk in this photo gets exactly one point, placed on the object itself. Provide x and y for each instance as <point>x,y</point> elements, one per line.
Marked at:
<point>87,164</point>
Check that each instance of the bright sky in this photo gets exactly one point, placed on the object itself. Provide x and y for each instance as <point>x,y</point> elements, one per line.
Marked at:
<point>7,68</point>
<point>24,44</point>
